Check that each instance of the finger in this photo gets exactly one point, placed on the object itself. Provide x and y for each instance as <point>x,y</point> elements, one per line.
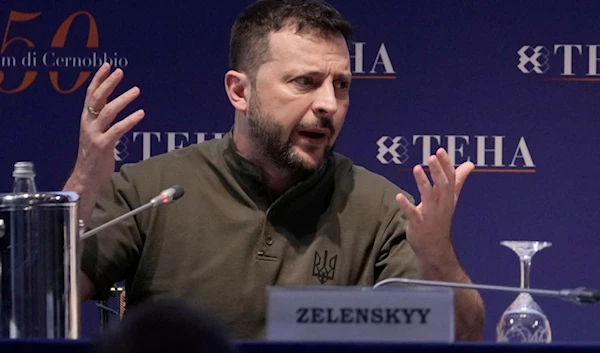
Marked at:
<point>462,172</point>
<point>442,189</point>
<point>119,129</point>
<point>98,78</point>
<point>423,184</point>
<point>99,97</point>
<point>410,210</point>
<point>110,111</point>
<point>437,172</point>
<point>447,165</point>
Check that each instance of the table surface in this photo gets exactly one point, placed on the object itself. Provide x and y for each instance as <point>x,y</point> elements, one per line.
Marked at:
<point>67,346</point>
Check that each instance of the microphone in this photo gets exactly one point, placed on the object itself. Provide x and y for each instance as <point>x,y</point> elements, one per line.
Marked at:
<point>579,295</point>
<point>165,197</point>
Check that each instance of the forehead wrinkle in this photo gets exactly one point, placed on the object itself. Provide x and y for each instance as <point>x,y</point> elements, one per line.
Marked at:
<point>305,44</point>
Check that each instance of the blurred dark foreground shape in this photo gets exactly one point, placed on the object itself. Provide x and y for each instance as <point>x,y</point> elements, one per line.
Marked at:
<point>164,326</point>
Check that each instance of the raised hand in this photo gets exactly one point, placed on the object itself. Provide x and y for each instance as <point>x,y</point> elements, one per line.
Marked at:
<point>98,135</point>
<point>429,223</point>
<point>428,232</point>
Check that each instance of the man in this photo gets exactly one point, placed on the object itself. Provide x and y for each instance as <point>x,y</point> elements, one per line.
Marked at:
<point>270,203</point>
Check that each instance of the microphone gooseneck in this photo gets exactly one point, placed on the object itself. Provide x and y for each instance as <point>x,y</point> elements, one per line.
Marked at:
<point>580,295</point>
<point>165,197</point>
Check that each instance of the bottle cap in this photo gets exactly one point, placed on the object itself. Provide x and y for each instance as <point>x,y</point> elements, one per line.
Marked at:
<point>23,170</point>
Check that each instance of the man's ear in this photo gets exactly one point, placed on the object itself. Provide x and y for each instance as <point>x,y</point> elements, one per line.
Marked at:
<point>237,86</point>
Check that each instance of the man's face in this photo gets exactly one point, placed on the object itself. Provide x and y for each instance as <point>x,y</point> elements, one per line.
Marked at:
<point>300,99</point>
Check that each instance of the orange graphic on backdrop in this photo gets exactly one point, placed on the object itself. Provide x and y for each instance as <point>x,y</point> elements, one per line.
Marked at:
<point>58,41</point>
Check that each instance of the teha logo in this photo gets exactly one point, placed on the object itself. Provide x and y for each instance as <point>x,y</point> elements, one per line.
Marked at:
<point>488,153</point>
<point>562,62</point>
<point>120,150</point>
<point>371,61</point>
<point>533,59</point>
<point>152,143</point>
<point>23,59</point>
<point>323,269</point>
<point>392,149</point>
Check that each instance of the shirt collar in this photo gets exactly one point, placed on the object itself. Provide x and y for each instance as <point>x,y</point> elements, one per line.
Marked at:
<point>249,176</point>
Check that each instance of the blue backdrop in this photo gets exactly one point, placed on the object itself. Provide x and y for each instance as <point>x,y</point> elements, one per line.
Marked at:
<point>511,86</point>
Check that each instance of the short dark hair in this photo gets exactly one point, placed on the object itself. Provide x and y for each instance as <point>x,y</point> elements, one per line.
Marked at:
<point>249,43</point>
<point>165,326</point>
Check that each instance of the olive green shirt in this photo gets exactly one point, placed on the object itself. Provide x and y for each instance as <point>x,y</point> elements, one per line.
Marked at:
<point>227,239</point>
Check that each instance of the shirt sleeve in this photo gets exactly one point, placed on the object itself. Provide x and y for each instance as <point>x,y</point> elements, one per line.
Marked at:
<point>111,255</point>
<point>396,257</point>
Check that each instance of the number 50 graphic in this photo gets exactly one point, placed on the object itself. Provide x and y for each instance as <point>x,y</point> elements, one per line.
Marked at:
<point>58,41</point>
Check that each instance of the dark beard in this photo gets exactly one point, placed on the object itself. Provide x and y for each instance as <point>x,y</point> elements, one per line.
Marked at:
<point>267,137</point>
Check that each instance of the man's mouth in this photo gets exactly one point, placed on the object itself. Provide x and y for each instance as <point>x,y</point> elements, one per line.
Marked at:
<point>315,134</point>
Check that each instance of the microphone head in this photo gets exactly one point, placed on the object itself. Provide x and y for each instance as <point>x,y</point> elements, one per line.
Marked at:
<point>584,295</point>
<point>168,196</point>
<point>178,191</point>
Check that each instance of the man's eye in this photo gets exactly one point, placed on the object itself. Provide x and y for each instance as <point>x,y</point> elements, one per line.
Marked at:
<point>342,84</point>
<point>305,81</point>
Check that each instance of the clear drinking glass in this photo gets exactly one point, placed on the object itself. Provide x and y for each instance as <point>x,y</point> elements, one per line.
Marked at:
<point>524,320</point>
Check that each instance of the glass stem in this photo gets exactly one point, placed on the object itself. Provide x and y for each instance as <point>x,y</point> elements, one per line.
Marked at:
<point>525,268</point>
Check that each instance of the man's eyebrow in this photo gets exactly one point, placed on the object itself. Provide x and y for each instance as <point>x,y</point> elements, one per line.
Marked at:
<point>344,77</point>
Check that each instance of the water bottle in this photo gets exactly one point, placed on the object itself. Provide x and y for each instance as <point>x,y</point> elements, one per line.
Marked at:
<point>24,178</point>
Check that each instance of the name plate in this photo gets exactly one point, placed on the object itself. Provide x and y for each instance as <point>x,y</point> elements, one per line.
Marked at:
<point>361,314</point>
